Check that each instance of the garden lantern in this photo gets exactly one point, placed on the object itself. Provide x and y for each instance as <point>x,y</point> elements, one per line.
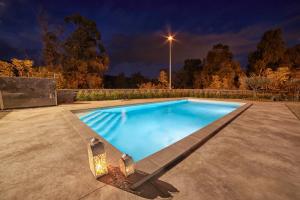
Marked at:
<point>126,165</point>
<point>97,158</point>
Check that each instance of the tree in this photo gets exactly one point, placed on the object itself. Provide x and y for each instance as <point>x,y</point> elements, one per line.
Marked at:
<point>242,82</point>
<point>219,62</point>
<point>292,57</point>
<point>121,81</point>
<point>277,78</point>
<point>51,51</point>
<point>78,54</point>
<point>216,83</point>
<point>163,79</point>
<point>269,53</point>
<point>137,79</point>
<point>6,69</point>
<point>185,77</point>
<point>257,82</point>
<point>160,83</point>
<point>23,67</point>
<point>148,85</point>
<point>84,54</point>
<point>16,67</point>
<point>43,72</point>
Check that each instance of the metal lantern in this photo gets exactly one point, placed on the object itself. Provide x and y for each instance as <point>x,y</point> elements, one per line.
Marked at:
<point>126,165</point>
<point>97,158</point>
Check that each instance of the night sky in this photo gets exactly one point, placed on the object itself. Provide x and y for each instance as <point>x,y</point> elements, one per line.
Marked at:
<point>132,30</point>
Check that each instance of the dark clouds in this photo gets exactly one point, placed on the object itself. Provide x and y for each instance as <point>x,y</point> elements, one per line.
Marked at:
<point>7,51</point>
<point>145,51</point>
<point>132,30</point>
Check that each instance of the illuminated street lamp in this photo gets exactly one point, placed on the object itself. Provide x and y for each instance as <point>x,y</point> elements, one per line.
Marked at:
<point>170,40</point>
<point>97,158</point>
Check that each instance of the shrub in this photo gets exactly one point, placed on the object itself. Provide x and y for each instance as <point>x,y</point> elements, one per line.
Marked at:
<point>96,95</point>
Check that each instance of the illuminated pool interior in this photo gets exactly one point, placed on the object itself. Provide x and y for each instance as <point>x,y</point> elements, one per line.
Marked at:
<point>141,130</point>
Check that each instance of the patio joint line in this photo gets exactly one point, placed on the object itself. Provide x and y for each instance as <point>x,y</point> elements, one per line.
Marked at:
<point>87,194</point>
<point>70,123</point>
<point>292,111</point>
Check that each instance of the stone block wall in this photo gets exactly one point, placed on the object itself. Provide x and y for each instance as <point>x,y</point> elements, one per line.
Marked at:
<point>21,92</point>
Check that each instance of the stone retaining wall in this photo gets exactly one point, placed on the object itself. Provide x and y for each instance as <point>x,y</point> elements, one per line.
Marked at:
<point>21,92</point>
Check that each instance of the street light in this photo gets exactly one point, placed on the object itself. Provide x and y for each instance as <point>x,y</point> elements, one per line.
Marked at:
<point>170,40</point>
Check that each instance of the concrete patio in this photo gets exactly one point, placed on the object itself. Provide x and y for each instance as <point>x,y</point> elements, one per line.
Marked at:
<point>254,157</point>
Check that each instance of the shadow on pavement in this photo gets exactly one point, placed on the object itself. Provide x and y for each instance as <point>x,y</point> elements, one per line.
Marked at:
<point>150,190</point>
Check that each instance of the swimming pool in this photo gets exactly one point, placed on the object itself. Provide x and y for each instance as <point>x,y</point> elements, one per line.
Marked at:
<point>141,130</point>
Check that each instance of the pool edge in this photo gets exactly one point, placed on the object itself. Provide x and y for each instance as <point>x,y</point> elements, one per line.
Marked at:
<point>86,133</point>
<point>163,160</point>
<point>156,163</point>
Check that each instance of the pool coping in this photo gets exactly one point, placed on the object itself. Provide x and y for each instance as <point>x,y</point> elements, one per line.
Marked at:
<point>168,157</point>
<point>160,161</point>
<point>86,133</point>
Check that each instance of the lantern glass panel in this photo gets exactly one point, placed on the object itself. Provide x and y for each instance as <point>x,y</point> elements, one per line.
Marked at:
<point>126,165</point>
<point>100,164</point>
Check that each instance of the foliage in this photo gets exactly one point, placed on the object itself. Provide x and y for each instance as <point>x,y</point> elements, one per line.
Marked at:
<point>257,82</point>
<point>277,78</point>
<point>186,77</point>
<point>23,67</point>
<point>242,82</point>
<point>216,83</point>
<point>122,81</point>
<point>163,79</point>
<point>16,67</point>
<point>162,82</point>
<point>269,53</point>
<point>51,51</point>
<point>292,57</point>
<point>6,69</point>
<point>270,79</point>
<point>136,79</point>
<point>106,94</point>
<point>148,85</point>
<point>219,70</point>
<point>78,55</point>
<point>293,86</point>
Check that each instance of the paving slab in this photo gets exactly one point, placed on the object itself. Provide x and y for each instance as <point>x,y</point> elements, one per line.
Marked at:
<point>255,157</point>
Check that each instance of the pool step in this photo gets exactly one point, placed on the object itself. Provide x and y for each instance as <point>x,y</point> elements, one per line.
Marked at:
<point>111,126</point>
<point>83,117</point>
<point>90,116</point>
<point>110,133</point>
<point>98,119</point>
<point>101,123</point>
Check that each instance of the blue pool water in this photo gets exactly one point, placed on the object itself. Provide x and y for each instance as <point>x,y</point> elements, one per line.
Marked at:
<point>142,130</point>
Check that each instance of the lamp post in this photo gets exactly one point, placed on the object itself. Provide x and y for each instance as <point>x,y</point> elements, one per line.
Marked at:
<point>170,40</point>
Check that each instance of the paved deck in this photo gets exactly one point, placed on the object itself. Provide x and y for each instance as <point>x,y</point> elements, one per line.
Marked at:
<point>254,157</point>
